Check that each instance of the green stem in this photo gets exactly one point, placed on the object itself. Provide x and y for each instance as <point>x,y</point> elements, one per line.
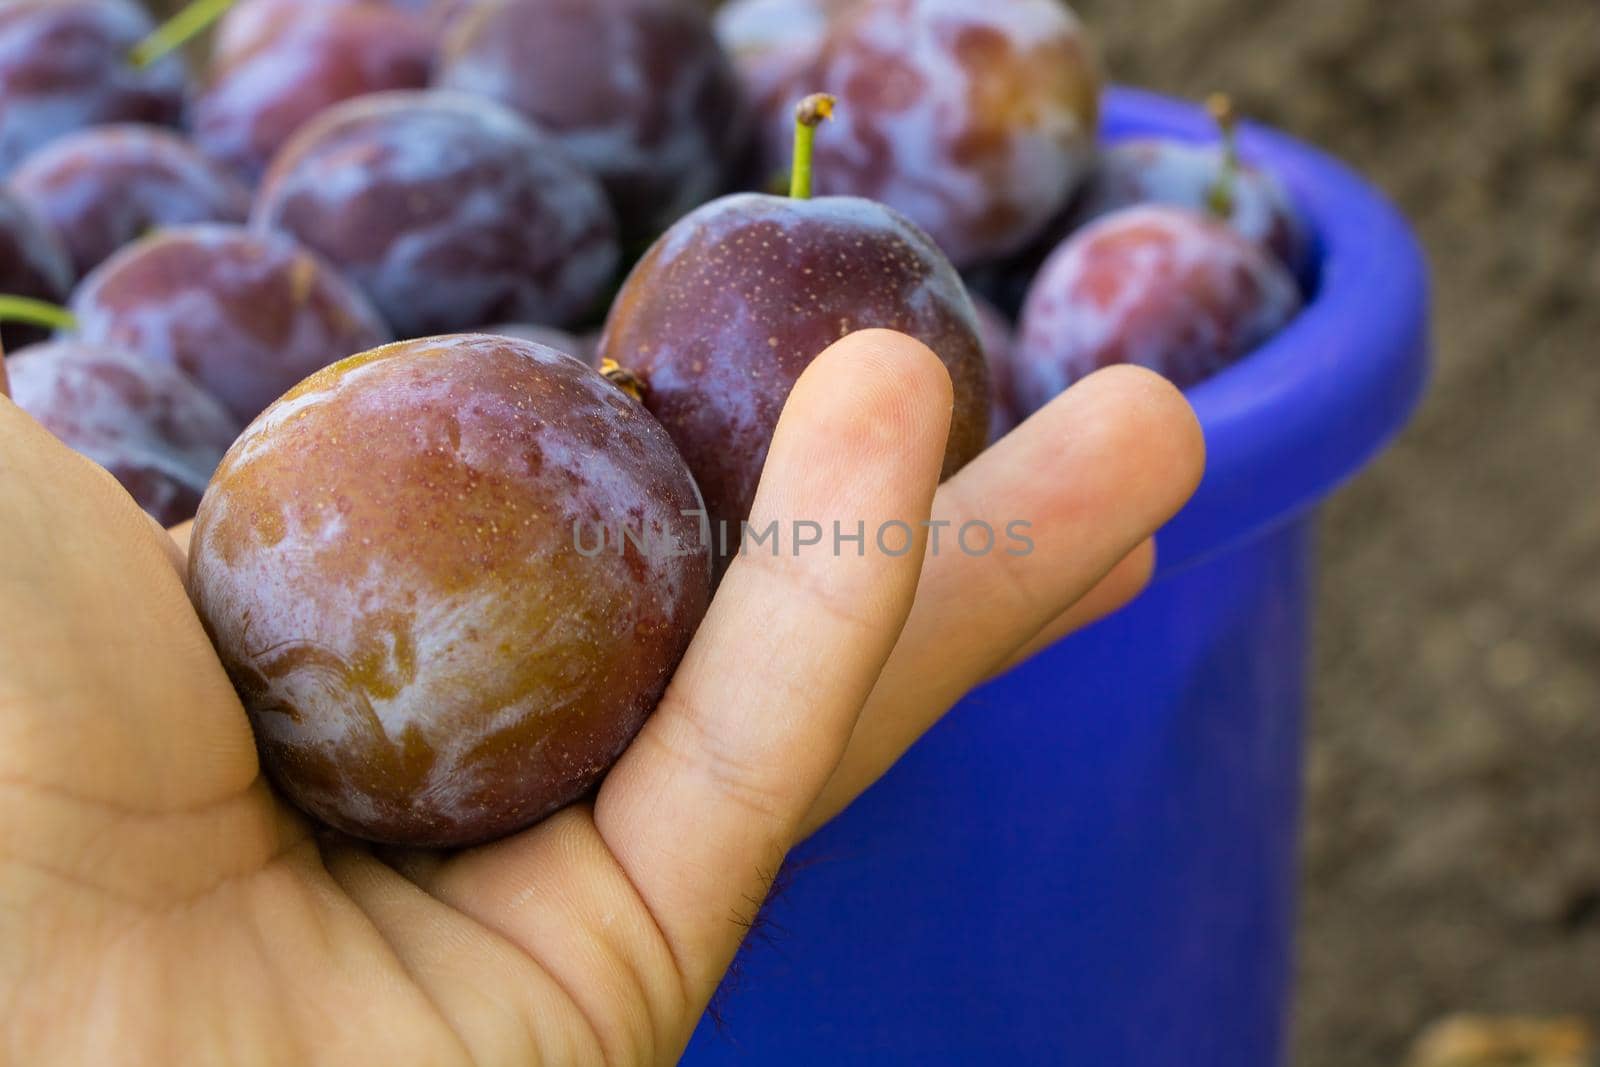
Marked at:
<point>178,31</point>
<point>1223,198</point>
<point>36,313</point>
<point>812,112</point>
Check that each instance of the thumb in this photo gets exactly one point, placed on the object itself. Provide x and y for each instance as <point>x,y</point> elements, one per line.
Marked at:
<point>109,689</point>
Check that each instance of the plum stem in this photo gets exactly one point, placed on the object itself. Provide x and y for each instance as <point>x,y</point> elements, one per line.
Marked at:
<point>1223,197</point>
<point>813,111</point>
<point>36,313</point>
<point>194,19</point>
<point>623,379</point>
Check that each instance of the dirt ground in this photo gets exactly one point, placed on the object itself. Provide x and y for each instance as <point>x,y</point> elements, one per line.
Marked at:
<point>1452,861</point>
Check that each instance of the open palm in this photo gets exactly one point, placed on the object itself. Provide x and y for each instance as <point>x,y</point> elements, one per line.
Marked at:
<point>159,904</point>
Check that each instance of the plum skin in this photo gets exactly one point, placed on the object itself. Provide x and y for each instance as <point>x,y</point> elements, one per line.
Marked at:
<point>1153,171</point>
<point>149,425</point>
<point>1157,286</point>
<point>33,263</point>
<point>640,93</point>
<point>975,121</point>
<point>998,337</point>
<point>247,315</point>
<point>250,21</point>
<point>105,187</point>
<point>579,347</point>
<point>727,310</point>
<point>65,68</point>
<point>295,67</point>
<point>387,565</point>
<point>449,211</point>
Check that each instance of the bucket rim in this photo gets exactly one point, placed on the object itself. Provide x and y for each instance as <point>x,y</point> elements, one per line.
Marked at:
<point>1303,414</point>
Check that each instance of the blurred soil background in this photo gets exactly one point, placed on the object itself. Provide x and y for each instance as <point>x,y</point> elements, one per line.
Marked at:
<point>1452,860</point>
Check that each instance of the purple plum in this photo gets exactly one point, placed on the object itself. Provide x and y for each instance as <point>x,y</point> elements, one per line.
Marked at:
<point>451,212</point>
<point>64,65</point>
<point>246,315</point>
<point>450,579</point>
<point>248,21</point>
<point>107,186</point>
<point>154,429</point>
<point>1157,286</point>
<point>727,310</point>
<point>293,68</point>
<point>638,91</point>
<point>1149,171</point>
<point>976,121</point>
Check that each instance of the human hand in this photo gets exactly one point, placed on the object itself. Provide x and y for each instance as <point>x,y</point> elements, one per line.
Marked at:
<point>159,904</point>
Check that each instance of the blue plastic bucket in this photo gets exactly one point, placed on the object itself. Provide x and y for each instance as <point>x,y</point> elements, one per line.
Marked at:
<point>1092,860</point>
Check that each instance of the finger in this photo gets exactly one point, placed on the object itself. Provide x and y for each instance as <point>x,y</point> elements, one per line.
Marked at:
<point>1093,475</point>
<point>180,535</point>
<point>1117,590</point>
<point>703,807</point>
<point>483,984</point>
<point>109,689</point>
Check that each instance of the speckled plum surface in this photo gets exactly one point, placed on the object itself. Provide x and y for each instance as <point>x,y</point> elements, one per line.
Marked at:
<point>107,186</point>
<point>639,91</point>
<point>259,92</point>
<point>1160,287</point>
<point>976,121</point>
<point>727,310</point>
<point>33,263</point>
<point>451,212</point>
<point>63,66</point>
<point>247,315</point>
<point>154,429</point>
<point>560,340</point>
<point>1149,171</point>
<point>387,563</point>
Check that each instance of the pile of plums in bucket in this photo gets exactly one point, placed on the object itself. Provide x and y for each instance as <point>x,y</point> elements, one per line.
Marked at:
<point>373,236</point>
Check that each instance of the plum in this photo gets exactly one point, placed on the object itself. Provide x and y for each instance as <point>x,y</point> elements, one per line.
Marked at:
<point>1202,178</point>
<point>638,91</point>
<point>730,306</point>
<point>1150,171</point>
<point>581,347</point>
<point>998,338</point>
<point>64,65</point>
<point>248,21</point>
<point>153,428</point>
<point>33,264</point>
<point>402,568</point>
<point>247,315</point>
<point>774,45</point>
<point>1161,287</point>
<point>107,186</point>
<point>258,93</point>
<point>449,211</point>
<point>976,121</point>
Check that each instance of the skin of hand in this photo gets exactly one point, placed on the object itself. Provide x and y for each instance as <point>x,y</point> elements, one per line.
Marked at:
<point>159,904</point>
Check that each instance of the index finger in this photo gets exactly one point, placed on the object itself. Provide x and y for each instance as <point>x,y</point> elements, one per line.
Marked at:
<point>709,799</point>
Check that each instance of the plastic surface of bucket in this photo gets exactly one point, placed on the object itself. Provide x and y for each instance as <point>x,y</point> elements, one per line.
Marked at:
<point>1092,859</point>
